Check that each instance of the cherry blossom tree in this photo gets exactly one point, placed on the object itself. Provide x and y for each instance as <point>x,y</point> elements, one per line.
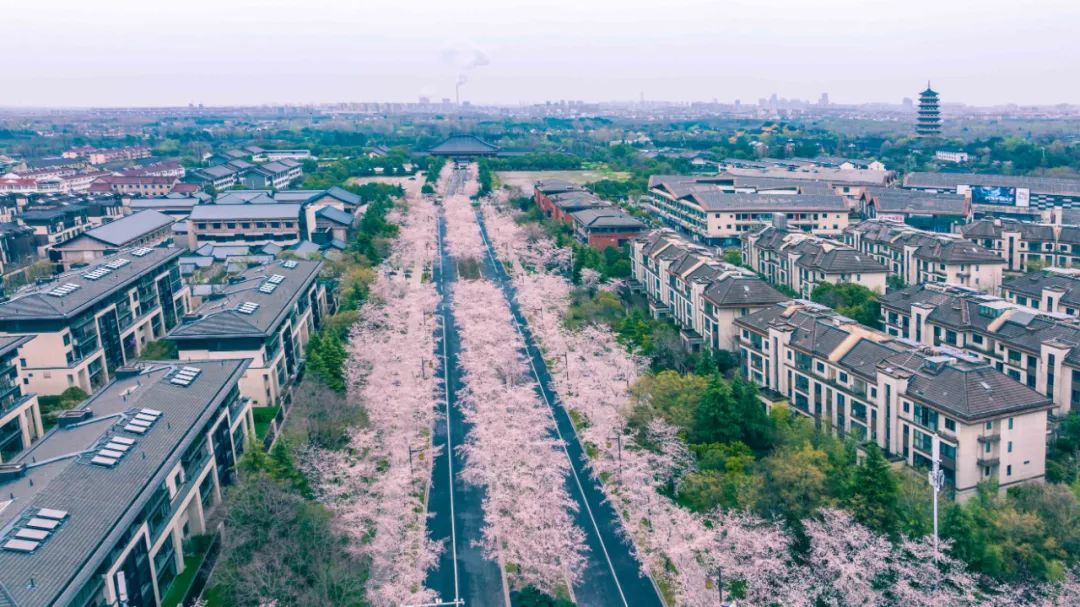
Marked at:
<point>377,486</point>
<point>510,449</point>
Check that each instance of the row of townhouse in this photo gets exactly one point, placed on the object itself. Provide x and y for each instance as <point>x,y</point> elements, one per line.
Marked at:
<point>134,185</point>
<point>901,396</point>
<point>714,214</point>
<point>1052,290</point>
<point>700,293</point>
<point>101,509</point>
<point>277,174</point>
<point>596,222</point>
<point>1020,243</point>
<point>103,155</point>
<point>267,314</point>
<point>1038,349</point>
<point>918,256</point>
<point>803,261</point>
<point>86,323</point>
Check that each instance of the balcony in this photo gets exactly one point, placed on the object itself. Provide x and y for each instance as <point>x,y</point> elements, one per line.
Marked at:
<point>989,438</point>
<point>988,460</point>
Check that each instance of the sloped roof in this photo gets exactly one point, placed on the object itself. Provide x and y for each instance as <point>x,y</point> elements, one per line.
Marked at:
<point>122,231</point>
<point>464,144</point>
<point>335,215</point>
<point>220,318</point>
<point>102,503</point>
<point>36,303</point>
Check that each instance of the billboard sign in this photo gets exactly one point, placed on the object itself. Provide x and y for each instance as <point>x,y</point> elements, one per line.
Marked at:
<point>993,195</point>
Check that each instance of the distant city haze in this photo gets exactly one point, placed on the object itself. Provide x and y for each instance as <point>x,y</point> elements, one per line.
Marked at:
<point>229,52</point>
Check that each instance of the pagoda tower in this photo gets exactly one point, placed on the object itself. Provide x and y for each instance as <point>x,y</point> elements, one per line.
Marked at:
<point>929,124</point>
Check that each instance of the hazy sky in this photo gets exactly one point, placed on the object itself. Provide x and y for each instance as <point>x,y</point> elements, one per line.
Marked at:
<point>162,52</point>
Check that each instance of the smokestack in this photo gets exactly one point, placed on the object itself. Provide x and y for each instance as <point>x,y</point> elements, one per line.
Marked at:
<point>461,79</point>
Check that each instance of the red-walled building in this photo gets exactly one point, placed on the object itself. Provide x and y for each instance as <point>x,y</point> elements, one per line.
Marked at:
<point>606,227</point>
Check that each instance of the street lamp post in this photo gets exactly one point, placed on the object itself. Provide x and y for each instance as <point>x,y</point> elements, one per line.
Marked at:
<point>937,481</point>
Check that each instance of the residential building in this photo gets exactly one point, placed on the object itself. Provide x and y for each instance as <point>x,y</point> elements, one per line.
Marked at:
<point>267,314</point>
<point>87,323</point>
<point>216,176</point>
<point>312,203</point>
<point>276,175</point>
<point>52,226</point>
<point>951,156</point>
<point>544,190</point>
<point>143,229</point>
<point>903,397</point>
<point>1052,290</point>
<point>803,261</point>
<point>101,507</point>
<point>272,155</point>
<point>606,227</point>
<point>700,293</point>
<point>18,246</point>
<point>245,224</point>
<point>20,415</point>
<point>1020,243</point>
<point>715,217</point>
<point>1034,347</point>
<point>918,256</point>
<point>140,185</point>
<point>177,206</point>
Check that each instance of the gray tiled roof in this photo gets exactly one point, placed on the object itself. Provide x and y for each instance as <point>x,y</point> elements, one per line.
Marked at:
<point>36,303</point>
<point>336,215</point>
<point>103,502</point>
<point>464,144</point>
<point>219,212</point>
<point>974,392</point>
<point>1040,185</point>
<point>715,200</point>
<point>893,200</point>
<point>741,291</point>
<point>126,229</point>
<point>219,316</point>
<point>555,186</point>
<point>607,218</point>
<point>1033,283</point>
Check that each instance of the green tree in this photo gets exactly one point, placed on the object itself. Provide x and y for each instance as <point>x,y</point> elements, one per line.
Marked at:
<point>874,493</point>
<point>850,299</point>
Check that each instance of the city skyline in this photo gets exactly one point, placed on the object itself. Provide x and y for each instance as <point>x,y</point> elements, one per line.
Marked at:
<point>120,53</point>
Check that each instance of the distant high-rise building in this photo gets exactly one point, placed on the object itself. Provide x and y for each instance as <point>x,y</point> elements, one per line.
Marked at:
<point>929,121</point>
<point>824,99</point>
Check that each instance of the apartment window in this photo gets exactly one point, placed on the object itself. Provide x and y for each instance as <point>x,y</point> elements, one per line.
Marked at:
<point>1010,423</point>
<point>990,425</point>
<point>907,407</point>
<point>1010,447</point>
<point>986,447</point>
<point>22,363</point>
<point>1008,470</point>
<point>986,470</point>
<point>843,377</point>
<point>950,425</point>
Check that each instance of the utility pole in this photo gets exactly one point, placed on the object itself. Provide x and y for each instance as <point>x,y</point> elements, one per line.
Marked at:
<point>618,443</point>
<point>937,481</point>
<point>720,583</point>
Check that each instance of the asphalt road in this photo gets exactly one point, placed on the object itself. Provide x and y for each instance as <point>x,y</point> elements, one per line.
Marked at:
<point>456,509</point>
<point>612,576</point>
